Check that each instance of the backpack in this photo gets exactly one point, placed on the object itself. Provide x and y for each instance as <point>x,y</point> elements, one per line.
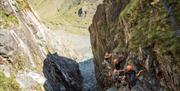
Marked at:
<point>131,76</point>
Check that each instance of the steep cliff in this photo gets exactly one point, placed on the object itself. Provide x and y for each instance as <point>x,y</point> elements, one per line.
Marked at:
<point>142,31</point>
<point>25,40</point>
<point>22,46</point>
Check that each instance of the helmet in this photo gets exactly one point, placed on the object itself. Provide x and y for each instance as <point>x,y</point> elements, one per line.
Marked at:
<point>129,67</point>
<point>107,55</point>
<point>115,61</point>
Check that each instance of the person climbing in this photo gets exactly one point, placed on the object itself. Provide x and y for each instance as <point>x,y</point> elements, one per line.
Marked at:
<point>108,65</point>
<point>130,76</point>
<point>142,70</point>
<point>116,68</point>
<point>116,64</point>
<point>118,72</point>
<point>119,61</point>
<point>107,60</point>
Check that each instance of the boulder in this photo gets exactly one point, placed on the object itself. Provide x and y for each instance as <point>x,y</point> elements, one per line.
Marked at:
<point>62,74</point>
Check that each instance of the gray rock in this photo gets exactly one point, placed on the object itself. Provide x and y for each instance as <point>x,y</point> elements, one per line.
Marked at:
<point>7,45</point>
<point>5,70</point>
<point>62,74</point>
<point>29,79</point>
<point>112,89</point>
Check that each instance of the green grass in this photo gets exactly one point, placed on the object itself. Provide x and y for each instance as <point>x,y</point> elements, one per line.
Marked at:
<point>148,26</point>
<point>21,61</point>
<point>7,20</point>
<point>152,29</point>
<point>8,84</point>
<point>63,16</point>
<point>38,88</point>
<point>130,7</point>
<point>38,62</point>
<point>22,4</point>
<point>69,20</point>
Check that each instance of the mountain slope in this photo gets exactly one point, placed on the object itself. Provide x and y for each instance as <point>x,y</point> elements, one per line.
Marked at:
<point>63,14</point>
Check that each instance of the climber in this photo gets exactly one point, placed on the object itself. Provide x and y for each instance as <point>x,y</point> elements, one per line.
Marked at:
<point>118,72</point>
<point>107,55</point>
<point>119,61</point>
<point>116,68</point>
<point>107,60</point>
<point>142,70</point>
<point>116,64</point>
<point>130,76</point>
<point>108,64</point>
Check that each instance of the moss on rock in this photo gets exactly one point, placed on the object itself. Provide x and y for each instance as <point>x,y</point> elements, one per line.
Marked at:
<point>7,20</point>
<point>8,84</point>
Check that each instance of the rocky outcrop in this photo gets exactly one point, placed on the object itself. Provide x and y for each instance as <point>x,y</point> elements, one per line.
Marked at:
<point>21,45</point>
<point>141,31</point>
<point>62,74</point>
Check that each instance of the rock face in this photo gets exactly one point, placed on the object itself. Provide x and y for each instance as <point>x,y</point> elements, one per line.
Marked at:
<point>22,44</point>
<point>62,74</point>
<point>142,31</point>
<point>7,44</point>
<point>24,39</point>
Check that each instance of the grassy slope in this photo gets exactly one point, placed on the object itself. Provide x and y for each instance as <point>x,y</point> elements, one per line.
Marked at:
<point>149,25</point>
<point>60,14</point>
<point>7,20</point>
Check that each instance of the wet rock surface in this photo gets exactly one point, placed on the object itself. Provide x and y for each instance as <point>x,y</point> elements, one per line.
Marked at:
<point>62,74</point>
<point>88,73</point>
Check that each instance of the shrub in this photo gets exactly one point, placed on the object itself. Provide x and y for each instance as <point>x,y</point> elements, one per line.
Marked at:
<point>8,84</point>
